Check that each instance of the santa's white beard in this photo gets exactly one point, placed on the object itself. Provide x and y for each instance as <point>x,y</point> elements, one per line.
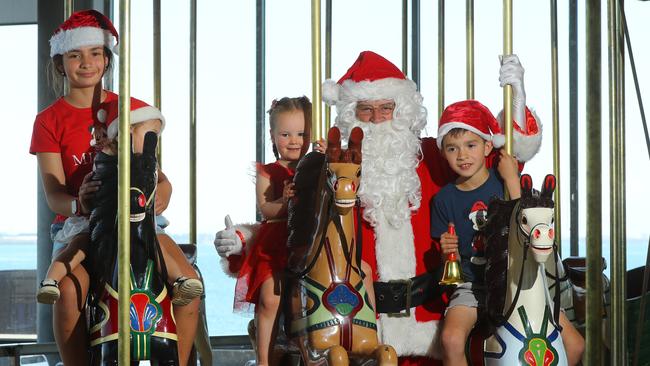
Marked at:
<point>390,187</point>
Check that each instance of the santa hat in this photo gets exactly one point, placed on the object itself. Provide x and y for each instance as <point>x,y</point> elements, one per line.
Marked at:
<point>371,77</point>
<point>140,112</point>
<point>472,116</point>
<point>83,28</point>
<point>476,207</point>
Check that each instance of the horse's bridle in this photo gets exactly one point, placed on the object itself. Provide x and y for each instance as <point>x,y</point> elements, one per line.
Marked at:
<point>147,204</point>
<point>334,216</point>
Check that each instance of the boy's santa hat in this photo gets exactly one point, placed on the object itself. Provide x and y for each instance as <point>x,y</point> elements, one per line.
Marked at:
<point>472,116</point>
<point>140,112</point>
<point>83,28</point>
<point>371,77</point>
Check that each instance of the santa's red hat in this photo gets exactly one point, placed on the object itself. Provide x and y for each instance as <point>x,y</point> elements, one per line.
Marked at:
<point>371,77</point>
<point>140,112</point>
<point>83,28</point>
<point>478,206</point>
<point>472,116</point>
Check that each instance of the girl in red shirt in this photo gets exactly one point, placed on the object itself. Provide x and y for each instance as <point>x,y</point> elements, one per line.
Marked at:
<point>65,138</point>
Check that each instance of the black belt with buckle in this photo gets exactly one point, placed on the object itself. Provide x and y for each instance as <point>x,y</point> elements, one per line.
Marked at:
<point>397,297</point>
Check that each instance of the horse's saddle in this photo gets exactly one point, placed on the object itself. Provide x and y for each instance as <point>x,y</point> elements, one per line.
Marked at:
<point>576,271</point>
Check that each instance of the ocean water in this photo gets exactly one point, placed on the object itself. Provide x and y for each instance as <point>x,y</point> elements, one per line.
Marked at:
<point>19,252</point>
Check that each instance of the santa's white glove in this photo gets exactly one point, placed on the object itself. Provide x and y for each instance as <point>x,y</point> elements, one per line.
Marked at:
<point>512,73</point>
<point>227,242</point>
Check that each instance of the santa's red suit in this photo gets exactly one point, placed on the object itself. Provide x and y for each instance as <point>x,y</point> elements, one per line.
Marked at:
<point>405,260</point>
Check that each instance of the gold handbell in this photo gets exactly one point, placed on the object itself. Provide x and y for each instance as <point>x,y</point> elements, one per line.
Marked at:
<point>452,275</point>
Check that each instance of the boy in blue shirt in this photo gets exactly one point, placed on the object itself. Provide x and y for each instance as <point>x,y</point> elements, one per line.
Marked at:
<point>465,140</point>
<point>467,134</point>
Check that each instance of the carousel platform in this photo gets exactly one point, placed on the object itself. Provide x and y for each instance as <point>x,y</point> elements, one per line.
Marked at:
<point>226,351</point>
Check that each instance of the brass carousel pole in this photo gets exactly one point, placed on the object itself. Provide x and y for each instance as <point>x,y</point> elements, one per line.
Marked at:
<point>124,179</point>
<point>68,7</point>
<point>617,185</point>
<point>405,42</point>
<point>441,57</point>
<point>316,82</point>
<point>594,192</point>
<point>469,45</point>
<point>507,90</point>
<point>556,126</point>
<point>193,122</point>
<point>157,89</point>
<point>328,55</point>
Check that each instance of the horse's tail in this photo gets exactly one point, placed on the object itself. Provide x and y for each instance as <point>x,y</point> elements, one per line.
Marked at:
<point>102,252</point>
<point>496,268</point>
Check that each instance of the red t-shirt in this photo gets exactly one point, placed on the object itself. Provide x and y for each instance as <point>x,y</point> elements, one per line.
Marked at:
<point>65,129</point>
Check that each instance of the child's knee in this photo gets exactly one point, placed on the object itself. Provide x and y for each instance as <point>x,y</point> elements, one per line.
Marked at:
<point>575,347</point>
<point>453,340</point>
<point>269,303</point>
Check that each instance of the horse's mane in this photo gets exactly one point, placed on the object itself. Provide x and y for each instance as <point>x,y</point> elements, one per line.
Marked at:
<point>102,253</point>
<point>497,233</point>
<point>496,268</point>
<point>302,221</point>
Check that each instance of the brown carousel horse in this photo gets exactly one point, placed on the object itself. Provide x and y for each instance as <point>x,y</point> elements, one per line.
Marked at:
<point>331,319</point>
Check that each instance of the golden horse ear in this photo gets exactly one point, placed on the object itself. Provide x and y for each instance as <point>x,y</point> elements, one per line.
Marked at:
<point>333,144</point>
<point>354,145</point>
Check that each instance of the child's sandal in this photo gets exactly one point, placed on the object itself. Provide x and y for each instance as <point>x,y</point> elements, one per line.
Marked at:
<point>49,292</point>
<point>186,290</point>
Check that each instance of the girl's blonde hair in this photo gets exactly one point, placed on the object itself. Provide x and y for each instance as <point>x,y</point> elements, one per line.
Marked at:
<point>287,104</point>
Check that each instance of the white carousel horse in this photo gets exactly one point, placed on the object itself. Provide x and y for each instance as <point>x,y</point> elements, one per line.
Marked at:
<point>520,243</point>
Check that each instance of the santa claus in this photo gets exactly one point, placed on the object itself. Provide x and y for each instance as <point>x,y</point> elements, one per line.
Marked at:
<point>401,172</point>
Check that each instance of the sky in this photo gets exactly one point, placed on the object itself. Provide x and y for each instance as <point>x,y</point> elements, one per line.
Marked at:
<point>226,93</point>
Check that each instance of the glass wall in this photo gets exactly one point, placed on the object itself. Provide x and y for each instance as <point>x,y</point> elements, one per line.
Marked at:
<point>226,105</point>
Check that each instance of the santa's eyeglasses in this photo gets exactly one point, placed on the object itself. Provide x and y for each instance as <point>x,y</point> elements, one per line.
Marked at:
<point>367,110</point>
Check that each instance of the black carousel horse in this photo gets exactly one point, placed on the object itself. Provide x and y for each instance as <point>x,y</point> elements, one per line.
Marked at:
<point>152,327</point>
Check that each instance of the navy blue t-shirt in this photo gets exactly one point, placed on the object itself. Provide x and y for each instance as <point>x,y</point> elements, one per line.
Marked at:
<point>453,205</point>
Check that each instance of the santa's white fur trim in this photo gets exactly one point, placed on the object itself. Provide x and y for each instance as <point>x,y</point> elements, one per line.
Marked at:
<point>68,40</point>
<point>137,116</point>
<point>225,267</point>
<point>350,91</point>
<point>395,253</point>
<point>448,126</point>
<point>525,145</point>
<point>331,92</point>
<point>410,337</point>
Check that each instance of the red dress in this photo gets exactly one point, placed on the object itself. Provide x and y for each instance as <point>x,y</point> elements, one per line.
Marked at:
<point>269,255</point>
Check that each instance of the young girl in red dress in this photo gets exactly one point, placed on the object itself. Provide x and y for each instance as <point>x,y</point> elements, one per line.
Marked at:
<point>260,277</point>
